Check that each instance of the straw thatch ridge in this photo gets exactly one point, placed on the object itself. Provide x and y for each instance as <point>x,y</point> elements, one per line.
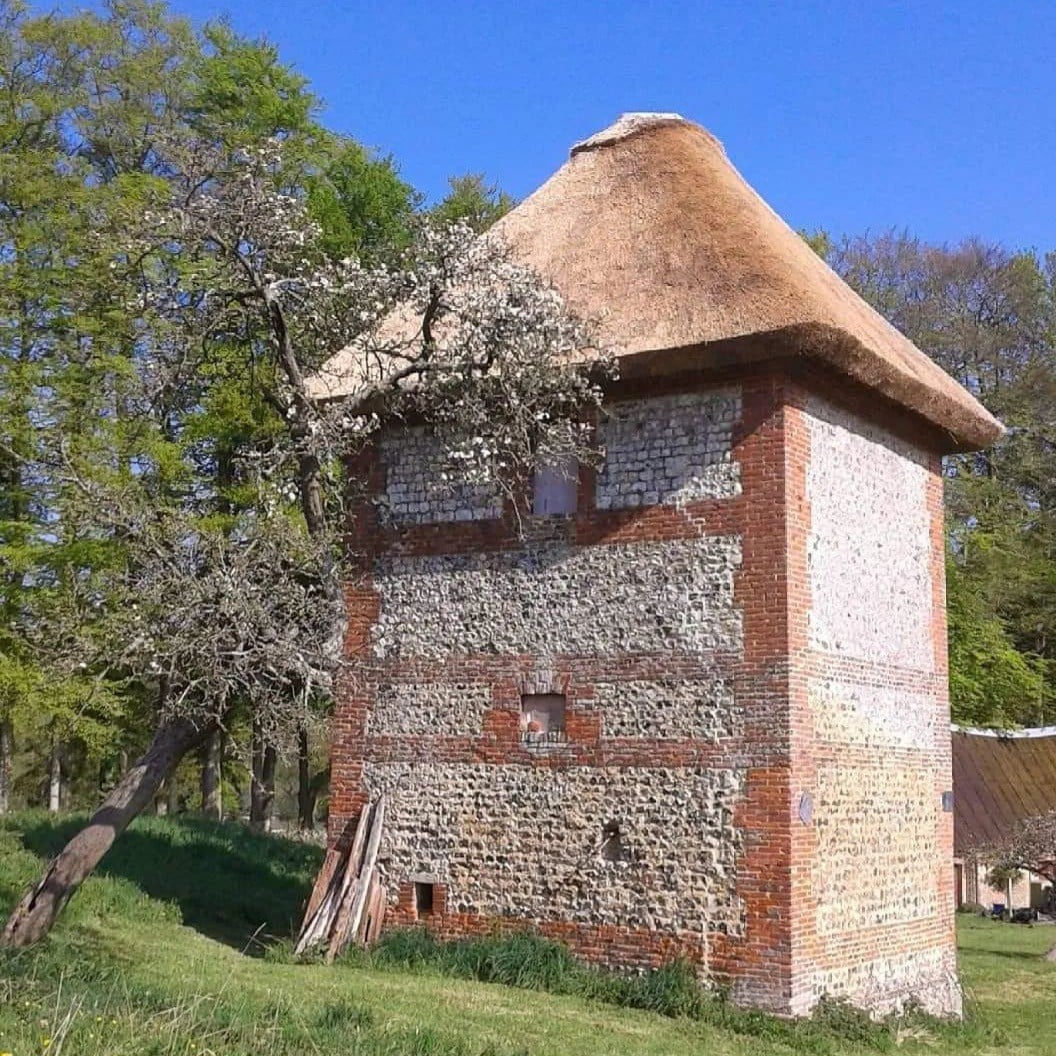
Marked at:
<point>650,233</point>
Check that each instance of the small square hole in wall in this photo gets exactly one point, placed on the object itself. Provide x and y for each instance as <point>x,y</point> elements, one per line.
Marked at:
<point>613,846</point>
<point>423,898</point>
<point>543,718</point>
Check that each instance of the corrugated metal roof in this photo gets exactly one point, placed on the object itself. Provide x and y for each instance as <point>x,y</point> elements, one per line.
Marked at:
<point>1000,779</point>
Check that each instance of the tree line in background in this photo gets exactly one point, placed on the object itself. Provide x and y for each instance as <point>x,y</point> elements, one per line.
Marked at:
<point>181,242</point>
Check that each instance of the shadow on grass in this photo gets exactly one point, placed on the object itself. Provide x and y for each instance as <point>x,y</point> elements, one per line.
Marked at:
<point>234,886</point>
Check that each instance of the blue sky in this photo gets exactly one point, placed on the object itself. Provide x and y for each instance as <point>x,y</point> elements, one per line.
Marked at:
<point>853,116</point>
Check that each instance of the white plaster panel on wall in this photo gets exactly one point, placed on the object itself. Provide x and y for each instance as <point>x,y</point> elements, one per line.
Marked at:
<point>592,601</point>
<point>870,543</point>
<point>669,450</point>
<point>872,716</point>
<point>432,708</point>
<point>527,842</point>
<point>424,486</point>
<point>672,709</point>
<point>877,855</point>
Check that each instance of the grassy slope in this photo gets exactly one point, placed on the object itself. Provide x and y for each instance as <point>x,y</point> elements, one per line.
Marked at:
<point>123,975</point>
<point>1009,985</point>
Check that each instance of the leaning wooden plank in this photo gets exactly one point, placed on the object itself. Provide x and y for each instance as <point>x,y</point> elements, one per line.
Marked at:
<point>347,927</point>
<point>375,912</point>
<point>369,861</point>
<point>324,881</point>
<point>342,932</point>
<point>320,928</point>
<point>318,924</point>
<point>342,926</point>
<point>343,896</point>
<point>317,930</point>
<point>320,904</point>
<point>339,933</point>
<point>317,927</point>
<point>331,874</point>
<point>371,882</point>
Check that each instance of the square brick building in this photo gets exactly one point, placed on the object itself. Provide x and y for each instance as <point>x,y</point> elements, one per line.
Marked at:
<point>698,706</point>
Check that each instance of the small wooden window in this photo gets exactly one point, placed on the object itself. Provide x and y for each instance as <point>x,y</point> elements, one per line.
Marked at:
<point>543,718</point>
<point>555,488</point>
<point>423,899</point>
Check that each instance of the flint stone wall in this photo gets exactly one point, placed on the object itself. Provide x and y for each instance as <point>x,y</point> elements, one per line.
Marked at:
<point>668,709</point>
<point>681,709</point>
<point>428,709</point>
<point>877,846</point>
<point>560,600</point>
<point>423,486</point>
<point>870,716</point>
<point>880,716</point>
<point>870,543</point>
<point>893,982</point>
<point>669,450</point>
<point>527,842</point>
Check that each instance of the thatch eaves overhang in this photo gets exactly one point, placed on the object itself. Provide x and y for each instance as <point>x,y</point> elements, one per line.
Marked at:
<point>651,235</point>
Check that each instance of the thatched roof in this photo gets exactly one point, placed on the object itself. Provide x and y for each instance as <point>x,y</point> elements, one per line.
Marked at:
<point>999,780</point>
<point>649,232</point>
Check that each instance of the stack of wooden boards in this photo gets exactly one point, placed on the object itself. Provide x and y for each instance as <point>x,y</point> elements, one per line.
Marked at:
<point>348,901</point>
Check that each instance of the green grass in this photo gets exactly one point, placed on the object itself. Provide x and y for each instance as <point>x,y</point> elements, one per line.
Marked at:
<point>151,959</point>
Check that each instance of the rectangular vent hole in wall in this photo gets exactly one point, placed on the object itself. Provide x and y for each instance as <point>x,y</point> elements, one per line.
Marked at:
<point>423,898</point>
<point>543,719</point>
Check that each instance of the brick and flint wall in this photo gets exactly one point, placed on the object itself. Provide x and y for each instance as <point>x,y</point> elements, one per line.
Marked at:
<point>745,620</point>
<point>873,746</point>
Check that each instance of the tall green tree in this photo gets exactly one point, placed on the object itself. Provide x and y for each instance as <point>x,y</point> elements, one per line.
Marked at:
<point>91,109</point>
<point>363,207</point>
<point>472,200</point>
<point>183,488</point>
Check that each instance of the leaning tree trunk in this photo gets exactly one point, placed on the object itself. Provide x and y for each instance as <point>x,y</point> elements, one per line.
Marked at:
<point>212,763</point>
<point>7,750</point>
<point>34,916</point>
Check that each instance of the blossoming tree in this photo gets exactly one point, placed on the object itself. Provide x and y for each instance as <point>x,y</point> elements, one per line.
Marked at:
<point>225,586</point>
